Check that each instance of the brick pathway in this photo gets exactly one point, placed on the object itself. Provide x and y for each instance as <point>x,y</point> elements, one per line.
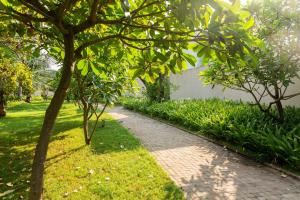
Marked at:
<point>205,170</point>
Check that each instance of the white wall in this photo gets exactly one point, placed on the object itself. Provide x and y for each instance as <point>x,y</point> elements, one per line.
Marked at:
<point>189,85</point>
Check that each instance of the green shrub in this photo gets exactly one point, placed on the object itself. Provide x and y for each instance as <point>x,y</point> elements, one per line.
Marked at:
<point>236,123</point>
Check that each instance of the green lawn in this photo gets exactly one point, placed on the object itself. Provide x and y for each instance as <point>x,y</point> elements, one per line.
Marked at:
<point>115,166</point>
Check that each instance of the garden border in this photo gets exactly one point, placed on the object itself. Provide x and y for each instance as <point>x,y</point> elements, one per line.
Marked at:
<point>219,143</point>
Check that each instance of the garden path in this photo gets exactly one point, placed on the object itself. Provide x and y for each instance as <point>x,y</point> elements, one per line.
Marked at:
<point>205,170</point>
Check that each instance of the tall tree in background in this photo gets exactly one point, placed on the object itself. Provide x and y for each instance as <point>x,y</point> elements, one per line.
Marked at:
<point>73,29</point>
<point>11,75</point>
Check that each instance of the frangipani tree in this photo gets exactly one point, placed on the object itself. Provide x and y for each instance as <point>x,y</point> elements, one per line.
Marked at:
<point>72,29</point>
<point>153,67</point>
<point>272,64</point>
<point>100,83</point>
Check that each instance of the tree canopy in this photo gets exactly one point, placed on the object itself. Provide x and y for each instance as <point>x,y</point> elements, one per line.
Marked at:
<point>73,31</point>
<point>273,62</point>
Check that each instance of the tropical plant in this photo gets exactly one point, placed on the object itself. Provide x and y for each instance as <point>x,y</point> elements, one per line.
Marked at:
<point>235,124</point>
<point>156,68</point>
<point>268,70</point>
<point>94,91</point>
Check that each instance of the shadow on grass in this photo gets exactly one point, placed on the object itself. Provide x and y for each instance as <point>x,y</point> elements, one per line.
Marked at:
<point>113,138</point>
<point>19,133</point>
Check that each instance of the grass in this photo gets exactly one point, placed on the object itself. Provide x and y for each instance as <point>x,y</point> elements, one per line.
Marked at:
<point>114,166</point>
<point>236,124</point>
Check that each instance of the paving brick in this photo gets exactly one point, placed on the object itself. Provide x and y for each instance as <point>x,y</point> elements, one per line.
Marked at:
<point>203,169</point>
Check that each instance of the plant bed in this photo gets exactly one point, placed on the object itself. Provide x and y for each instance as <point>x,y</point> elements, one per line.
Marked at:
<point>234,123</point>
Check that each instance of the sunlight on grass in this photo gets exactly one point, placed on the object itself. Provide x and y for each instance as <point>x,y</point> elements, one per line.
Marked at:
<point>115,166</point>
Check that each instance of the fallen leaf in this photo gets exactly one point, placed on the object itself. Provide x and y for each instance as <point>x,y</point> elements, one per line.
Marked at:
<point>9,184</point>
<point>6,193</point>
<point>283,175</point>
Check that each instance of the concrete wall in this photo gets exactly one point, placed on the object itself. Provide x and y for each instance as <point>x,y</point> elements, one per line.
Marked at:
<point>188,85</point>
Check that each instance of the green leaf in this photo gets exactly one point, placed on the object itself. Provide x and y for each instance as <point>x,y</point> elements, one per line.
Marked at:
<point>236,6</point>
<point>85,70</point>
<point>161,56</point>
<point>81,64</point>
<point>249,23</point>
<point>5,2</point>
<point>203,51</point>
<point>286,83</point>
<point>190,58</point>
<point>56,49</point>
<point>94,69</point>
<point>138,73</point>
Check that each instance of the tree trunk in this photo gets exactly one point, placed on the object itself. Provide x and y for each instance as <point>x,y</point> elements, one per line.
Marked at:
<point>20,91</point>
<point>36,185</point>
<point>86,124</point>
<point>2,105</point>
<point>280,111</point>
<point>28,98</point>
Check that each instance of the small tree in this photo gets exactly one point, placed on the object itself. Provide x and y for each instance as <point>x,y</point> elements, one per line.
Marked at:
<point>153,68</point>
<point>159,90</point>
<point>103,87</point>
<point>264,75</point>
<point>267,70</point>
<point>8,83</point>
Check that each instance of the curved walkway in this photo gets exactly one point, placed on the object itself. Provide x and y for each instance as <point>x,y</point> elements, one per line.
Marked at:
<point>203,169</point>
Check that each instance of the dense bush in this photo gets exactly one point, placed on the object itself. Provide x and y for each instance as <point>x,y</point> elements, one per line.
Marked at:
<point>238,124</point>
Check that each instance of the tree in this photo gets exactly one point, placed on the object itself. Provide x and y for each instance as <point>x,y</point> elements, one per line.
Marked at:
<point>153,69</point>
<point>104,86</point>
<point>10,79</point>
<point>22,49</point>
<point>269,68</point>
<point>159,90</point>
<point>42,74</point>
<point>8,83</point>
<point>74,28</point>
<point>24,79</point>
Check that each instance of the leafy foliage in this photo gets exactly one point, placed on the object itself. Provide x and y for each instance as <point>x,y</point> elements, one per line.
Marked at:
<point>12,76</point>
<point>238,124</point>
<point>95,85</point>
<point>272,64</point>
<point>159,90</point>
